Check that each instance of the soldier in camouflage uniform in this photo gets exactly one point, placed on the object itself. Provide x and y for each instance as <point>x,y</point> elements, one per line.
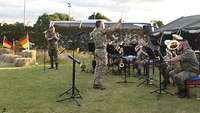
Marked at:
<point>188,67</point>
<point>52,39</point>
<point>98,35</point>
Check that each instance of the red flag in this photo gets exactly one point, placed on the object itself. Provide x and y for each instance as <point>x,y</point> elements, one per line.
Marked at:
<point>7,43</point>
<point>25,42</point>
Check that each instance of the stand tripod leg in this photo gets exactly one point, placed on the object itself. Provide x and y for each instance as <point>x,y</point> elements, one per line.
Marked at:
<point>66,92</point>
<point>160,92</point>
<point>160,89</point>
<point>141,83</point>
<point>72,97</point>
<point>76,102</point>
<point>73,91</point>
<point>125,78</point>
<point>79,95</point>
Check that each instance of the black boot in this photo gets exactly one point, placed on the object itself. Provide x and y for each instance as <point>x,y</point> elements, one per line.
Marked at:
<point>97,86</point>
<point>182,93</point>
<point>51,66</point>
<point>56,66</point>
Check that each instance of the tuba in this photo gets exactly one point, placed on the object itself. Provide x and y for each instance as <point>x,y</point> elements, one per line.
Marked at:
<point>173,45</point>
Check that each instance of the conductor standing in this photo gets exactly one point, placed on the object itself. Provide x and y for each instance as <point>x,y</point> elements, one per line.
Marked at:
<point>52,39</point>
<point>99,36</point>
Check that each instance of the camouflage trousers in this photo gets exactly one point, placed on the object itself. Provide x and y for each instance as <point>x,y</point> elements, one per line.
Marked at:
<point>181,77</point>
<point>53,56</point>
<point>101,63</point>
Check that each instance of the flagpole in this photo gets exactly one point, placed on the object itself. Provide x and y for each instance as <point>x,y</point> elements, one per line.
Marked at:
<point>24,15</point>
<point>28,42</point>
<point>3,40</point>
<point>13,47</point>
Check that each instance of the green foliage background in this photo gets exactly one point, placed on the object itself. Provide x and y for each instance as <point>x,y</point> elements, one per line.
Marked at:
<point>18,30</point>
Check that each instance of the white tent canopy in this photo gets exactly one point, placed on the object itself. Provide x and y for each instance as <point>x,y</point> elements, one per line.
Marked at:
<point>91,24</point>
<point>189,24</point>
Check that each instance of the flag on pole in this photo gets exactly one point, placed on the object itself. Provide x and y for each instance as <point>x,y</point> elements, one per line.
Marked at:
<point>7,43</point>
<point>25,42</point>
<point>13,48</point>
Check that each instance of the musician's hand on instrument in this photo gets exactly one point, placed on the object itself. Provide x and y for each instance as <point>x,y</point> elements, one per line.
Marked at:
<point>120,20</point>
<point>50,39</point>
<point>119,26</point>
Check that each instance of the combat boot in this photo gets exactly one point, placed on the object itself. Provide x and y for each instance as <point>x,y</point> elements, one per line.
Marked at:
<point>181,93</point>
<point>97,86</point>
<point>51,66</point>
<point>56,66</point>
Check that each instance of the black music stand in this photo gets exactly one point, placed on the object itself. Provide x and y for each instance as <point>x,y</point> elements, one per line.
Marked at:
<point>152,57</point>
<point>111,49</point>
<point>160,89</point>
<point>125,62</point>
<point>129,51</point>
<point>112,55</point>
<point>125,76</point>
<point>73,91</point>
<point>91,48</point>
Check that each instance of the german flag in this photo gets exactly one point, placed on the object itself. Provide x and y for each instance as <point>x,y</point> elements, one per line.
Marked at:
<point>25,42</point>
<point>7,43</point>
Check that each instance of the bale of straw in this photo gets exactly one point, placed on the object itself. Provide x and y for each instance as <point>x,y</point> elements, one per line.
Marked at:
<point>4,51</point>
<point>29,54</point>
<point>8,58</point>
<point>21,62</point>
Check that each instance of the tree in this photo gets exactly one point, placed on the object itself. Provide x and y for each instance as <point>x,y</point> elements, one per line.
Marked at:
<point>98,16</point>
<point>12,31</point>
<point>157,23</point>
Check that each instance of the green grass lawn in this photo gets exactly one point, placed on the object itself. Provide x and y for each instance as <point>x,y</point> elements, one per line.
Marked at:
<point>30,90</point>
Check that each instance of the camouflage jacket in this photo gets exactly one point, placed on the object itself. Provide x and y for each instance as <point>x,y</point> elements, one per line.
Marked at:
<point>189,61</point>
<point>53,43</point>
<point>99,38</point>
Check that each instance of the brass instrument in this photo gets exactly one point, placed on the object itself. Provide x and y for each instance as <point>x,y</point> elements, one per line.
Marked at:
<point>173,45</point>
<point>61,50</point>
<point>121,63</point>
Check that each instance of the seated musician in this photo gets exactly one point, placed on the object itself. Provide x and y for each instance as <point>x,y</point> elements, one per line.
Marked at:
<point>188,67</point>
<point>170,69</point>
<point>141,54</point>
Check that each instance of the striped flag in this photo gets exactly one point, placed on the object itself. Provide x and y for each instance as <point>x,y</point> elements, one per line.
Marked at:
<point>25,42</point>
<point>7,43</point>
